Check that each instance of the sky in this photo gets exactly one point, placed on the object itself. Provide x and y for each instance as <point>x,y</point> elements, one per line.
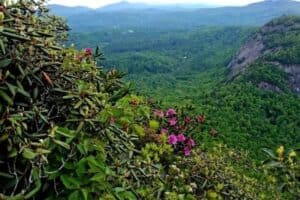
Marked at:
<point>100,3</point>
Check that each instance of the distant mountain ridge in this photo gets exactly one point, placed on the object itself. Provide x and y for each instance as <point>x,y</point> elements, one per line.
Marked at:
<point>124,5</point>
<point>66,11</point>
<point>127,15</point>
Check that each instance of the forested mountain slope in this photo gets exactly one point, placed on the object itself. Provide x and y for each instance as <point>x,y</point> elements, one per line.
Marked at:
<point>191,67</point>
<point>257,99</point>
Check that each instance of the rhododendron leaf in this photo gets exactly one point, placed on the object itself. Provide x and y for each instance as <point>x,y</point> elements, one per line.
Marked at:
<point>274,164</point>
<point>96,165</point>
<point>122,194</point>
<point>75,196</point>
<point>5,63</point>
<point>63,144</point>
<point>65,132</point>
<point>81,167</point>
<point>2,47</point>
<point>99,177</point>
<point>270,153</point>
<point>85,194</point>
<point>12,153</point>
<point>6,98</point>
<point>23,92</point>
<point>70,182</point>
<point>12,89</point>
<point>28,154</point>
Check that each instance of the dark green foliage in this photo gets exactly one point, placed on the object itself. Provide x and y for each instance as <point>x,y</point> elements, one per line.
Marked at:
<point>153,51</point>
<point>244,115</point>
<point>288,56</point>
<point>143,62</point>
<point>266,73</point>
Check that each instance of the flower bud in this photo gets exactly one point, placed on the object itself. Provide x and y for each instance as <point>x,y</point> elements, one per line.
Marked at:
<point>280,151</point>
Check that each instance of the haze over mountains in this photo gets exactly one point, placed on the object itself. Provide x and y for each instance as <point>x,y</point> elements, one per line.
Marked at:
<point>124,15</point>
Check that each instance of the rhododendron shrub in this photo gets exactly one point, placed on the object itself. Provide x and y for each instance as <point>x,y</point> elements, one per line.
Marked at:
<point>176,126</point>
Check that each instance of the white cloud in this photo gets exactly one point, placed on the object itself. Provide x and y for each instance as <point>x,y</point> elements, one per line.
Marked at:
<point>99,3</point>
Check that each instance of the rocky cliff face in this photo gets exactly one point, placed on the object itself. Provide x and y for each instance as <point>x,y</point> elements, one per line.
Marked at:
<point>276,43</point>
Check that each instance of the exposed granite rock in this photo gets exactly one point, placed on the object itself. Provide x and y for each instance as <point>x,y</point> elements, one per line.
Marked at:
<point>268,86</point>
<point>250,52</point>
<point>256,47</point>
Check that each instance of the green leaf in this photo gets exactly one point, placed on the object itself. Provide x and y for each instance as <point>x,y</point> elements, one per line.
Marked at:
<point>95,164</point>
<point>23,92</point>
<point>5,175</point>
<point>4,63</point>
<point>63,144</point>
<point>81,168</point>
<point>2,47</point>
<point>270,153</point>
<point>99,177</point>
<point>273,164</point>
<point>12,89</point>
<point>122,194</point>
<point>70,182</point>
<point>65,132</point>
<point>75,196</point>
<point>6,98</point>
<point>13,153</point>
<point>14,36</point>
<point>85,194</point>
<point>28,154</point>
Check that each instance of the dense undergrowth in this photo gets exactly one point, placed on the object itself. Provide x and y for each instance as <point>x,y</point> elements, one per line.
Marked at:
<point>70,130</point>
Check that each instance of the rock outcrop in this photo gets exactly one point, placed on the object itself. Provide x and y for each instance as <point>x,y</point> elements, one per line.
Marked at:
<point>265,44</point>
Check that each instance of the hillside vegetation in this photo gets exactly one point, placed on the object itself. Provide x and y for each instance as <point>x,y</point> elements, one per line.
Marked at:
<point>71,130</point>
<point>189,67</point>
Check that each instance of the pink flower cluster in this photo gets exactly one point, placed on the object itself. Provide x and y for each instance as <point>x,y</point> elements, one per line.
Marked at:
<point>174,127</point>
<point>88,52</point>
<point>182,140</point>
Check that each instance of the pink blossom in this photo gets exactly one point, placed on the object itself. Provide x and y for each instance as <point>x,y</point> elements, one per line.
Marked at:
<point>163,131</point>
<point>88,51</point>
<point>173,121</point>
<point>188,120</point>
<point>172,139</point>
<point>200,118</point>
<point>187,151</point>
<point>159,113</point>
<point>181,138</point>
<point>171,112</point>
<point>191,143</point>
